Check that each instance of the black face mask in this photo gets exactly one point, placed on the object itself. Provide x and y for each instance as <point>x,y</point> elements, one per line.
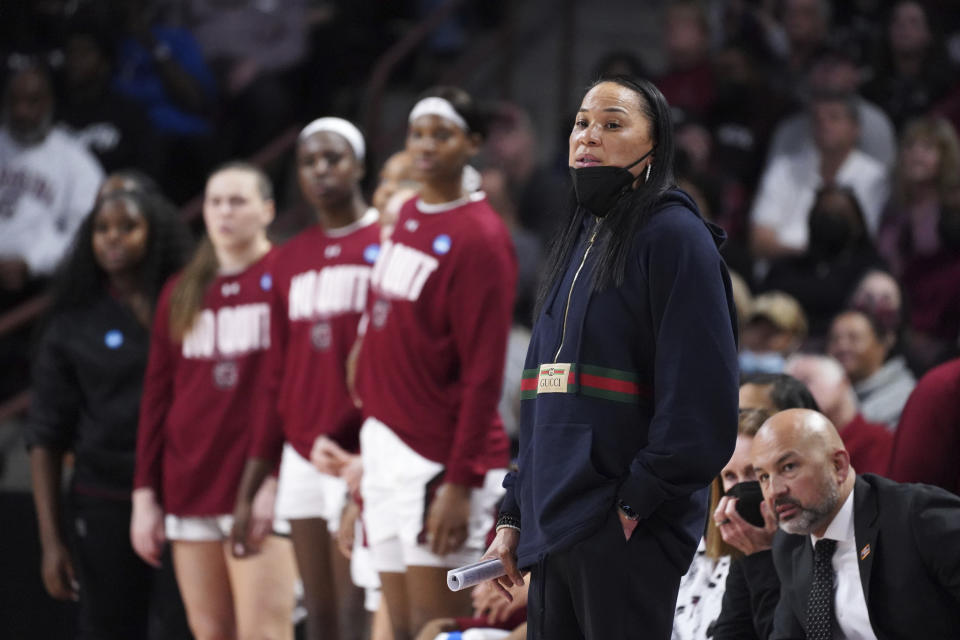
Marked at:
<point>598,188</point>
<point>830,234</point>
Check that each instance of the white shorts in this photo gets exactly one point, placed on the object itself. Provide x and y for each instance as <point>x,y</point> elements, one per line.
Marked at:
<point>209,528</point>
<point>198,528</point>
<point>394,488</point>
<point>304,492</point>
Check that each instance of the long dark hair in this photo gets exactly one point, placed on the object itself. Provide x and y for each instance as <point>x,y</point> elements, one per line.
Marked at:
<point>80,280</point>
<point>620,226</point>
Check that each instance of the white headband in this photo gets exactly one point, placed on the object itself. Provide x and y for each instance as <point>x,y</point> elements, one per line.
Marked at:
<point>341,127</point>
<point>436,106</point>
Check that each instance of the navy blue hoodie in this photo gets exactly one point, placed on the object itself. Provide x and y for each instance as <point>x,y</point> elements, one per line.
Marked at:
<point>649,415</point>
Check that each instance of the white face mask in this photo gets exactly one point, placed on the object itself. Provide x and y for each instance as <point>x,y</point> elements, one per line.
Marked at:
<point>760,362</point>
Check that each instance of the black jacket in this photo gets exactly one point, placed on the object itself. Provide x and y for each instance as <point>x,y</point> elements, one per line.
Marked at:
<point>649,408</point>
<point>910,572</point>
<point>87,382</point>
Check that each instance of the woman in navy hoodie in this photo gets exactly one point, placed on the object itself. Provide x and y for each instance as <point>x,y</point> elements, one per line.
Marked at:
<point>630,385</point>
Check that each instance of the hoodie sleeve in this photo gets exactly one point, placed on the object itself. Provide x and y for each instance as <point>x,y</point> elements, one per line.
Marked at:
<point>694,426</point>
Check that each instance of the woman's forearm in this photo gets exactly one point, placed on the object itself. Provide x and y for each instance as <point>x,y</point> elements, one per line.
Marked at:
<point>46,468</point>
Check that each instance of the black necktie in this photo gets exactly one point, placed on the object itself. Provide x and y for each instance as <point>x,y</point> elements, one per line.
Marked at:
<point>820,605</point>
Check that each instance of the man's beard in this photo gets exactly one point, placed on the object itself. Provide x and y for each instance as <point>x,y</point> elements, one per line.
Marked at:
<point>809,518</point>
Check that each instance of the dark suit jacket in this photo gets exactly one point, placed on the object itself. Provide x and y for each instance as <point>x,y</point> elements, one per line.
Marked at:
<point>749,599</point>
<point>908,543</point>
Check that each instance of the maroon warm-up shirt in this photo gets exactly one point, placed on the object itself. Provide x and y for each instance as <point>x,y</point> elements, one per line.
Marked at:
<point>321,282</point>
<point>199,394</point>
<point>436,327</point>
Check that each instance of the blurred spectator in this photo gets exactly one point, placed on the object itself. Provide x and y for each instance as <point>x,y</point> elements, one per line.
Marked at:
<point>527,246</point>
<point>879,293</point>
<point>256,49</point>
<point>927,170</point>
<point>688,82</point>
<point>746,109</point>
<point>698,176</point>
<point>34,29</point>
<point>775,328</point>
<point>858,19</point>
<point>48,182</point>
<point>867,347</point>
<point>751,23</point>
<point>162,68</point>
<point>868,443</point>
<point>780,213</point>
<point>838,255</point>
<point>934,294</point>
<point>805,25</point>
<point>537,193</point>
<point>702,587</point>
<point>619,63</point>
<point>742,299</point>
<point>775,392</point>
<point>113,128</point>
<point>919,237</point>
<point>914,70</point>
<point>835,69</point>
<point>927,441</point>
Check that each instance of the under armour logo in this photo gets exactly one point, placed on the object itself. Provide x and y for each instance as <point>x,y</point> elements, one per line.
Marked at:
<point>332,251</point>
<point>230,289</point>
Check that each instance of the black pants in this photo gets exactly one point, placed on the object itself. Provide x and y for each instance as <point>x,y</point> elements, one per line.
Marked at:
<point>121,596</point>
<point>604,587</point>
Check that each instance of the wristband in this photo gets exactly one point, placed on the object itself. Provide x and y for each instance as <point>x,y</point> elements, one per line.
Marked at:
<point>508,520</point>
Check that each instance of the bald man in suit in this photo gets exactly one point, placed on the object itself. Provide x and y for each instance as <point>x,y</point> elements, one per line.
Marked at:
<point>887,559</point>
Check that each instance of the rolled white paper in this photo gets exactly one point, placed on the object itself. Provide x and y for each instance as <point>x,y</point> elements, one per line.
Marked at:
<point>475,573</point>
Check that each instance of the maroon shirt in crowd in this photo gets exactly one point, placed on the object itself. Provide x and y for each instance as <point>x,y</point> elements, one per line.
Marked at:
<point>869,445</point>
<point>927,441</point>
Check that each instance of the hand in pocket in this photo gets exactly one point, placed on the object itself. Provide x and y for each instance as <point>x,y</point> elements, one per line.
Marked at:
<point>626,523</point>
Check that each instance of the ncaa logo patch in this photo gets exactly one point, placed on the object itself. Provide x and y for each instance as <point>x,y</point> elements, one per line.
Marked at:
<point>225,374</point>
<point>113,339</point>
<point>266,282</point>
<point>371,252</point>
<point>441,244</point>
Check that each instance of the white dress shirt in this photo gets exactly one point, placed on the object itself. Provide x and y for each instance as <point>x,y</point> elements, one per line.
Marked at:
<point>849,605</point>
<point>789,186</point>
